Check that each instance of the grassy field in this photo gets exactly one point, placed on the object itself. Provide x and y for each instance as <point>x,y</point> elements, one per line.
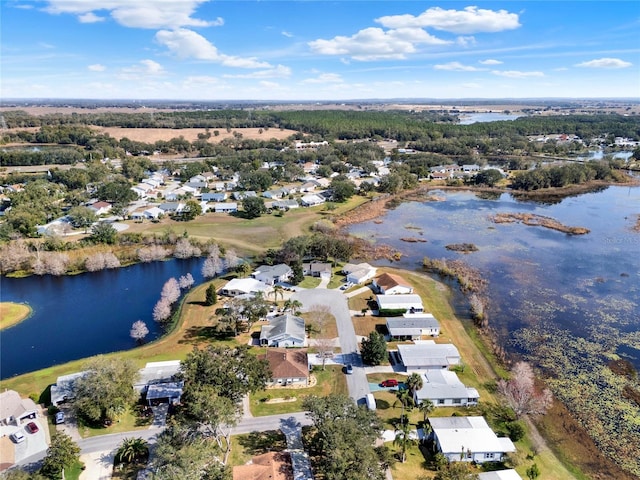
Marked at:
<point>13,313</point>
<point>329,381</point>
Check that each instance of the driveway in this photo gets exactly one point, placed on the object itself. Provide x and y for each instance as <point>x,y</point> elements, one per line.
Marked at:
<point>336,301</point>
<point>34,443</point>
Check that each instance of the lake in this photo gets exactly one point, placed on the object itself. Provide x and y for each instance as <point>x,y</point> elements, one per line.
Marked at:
<point>469,118</point>
<point>83,315</point>
<point>577,283</point>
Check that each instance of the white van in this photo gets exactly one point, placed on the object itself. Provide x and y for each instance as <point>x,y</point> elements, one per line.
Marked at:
<point>371,401</point>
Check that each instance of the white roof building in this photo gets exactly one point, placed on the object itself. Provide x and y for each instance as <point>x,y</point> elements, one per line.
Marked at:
<point>444,389</point>
<point>413,326</point>
<point>510,474</point>
<point>410,303</point>
<point>243,286</point>
<point>469,439</point>
<point>425,354</point>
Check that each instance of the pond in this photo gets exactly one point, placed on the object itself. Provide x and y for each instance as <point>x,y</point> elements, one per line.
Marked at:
<point>578,283</point>
<point>82,315</point>
<point>469,118</point>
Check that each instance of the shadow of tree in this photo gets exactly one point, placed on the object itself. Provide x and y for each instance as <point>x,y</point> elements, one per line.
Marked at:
<point>382,404</point>
<point>198,334</point>
<point>257,443</point>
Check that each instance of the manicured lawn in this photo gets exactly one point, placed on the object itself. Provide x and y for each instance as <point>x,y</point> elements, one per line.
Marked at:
<point>367,324</point>
<point>330,380</point>
<point>73,472</point>
<point>129,421</point>
<point>309,282</point>
<point>13,313</point>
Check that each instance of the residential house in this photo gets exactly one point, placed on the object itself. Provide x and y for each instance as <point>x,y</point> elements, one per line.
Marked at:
<point>268,466</point>
<point>14,409</point>
<point>285,204</point>
<point>413,326</point>
<point>392,284</point>
<point>310,145</point>
<point>471,168</point>
<point>141,190</point>
<point>426,354</point>
<point>172,207</point>
<point>219,186</point>
<point>157,382</point>
<point>309,186</point>
<point>153,213</point>
<point>230,207</point>
<point>239,196</point>
<point>359,273</point>
<point>317,269</point>
<point>288,367</point>
<point>510,474</point>
<point>197,178</point>
<point>63,389</point>
<point>311,200</point>
<point>468,439</point>
<point>274,194</point>
<point>214,197</point>
<point>100,208</point>
<point>272,274</point>
<point>444,389</point>
<point>285,330</point>
<point>196,185</point>
<point>243,286</point>
<point>401,303</point>
<point>155,183</point>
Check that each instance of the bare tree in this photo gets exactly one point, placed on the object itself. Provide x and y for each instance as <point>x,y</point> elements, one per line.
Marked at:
<point>15,255</point>
<point>162,310</point>
<point>51,263</point>
<point>152,253</point>
<point>212,265</point>
<point>184,249</point>
<point>231,259</point>
<point>170,291</point>
<point>139,330</point>
<point>521,393</point>
<point>319,318</point>
<point>100,261</point>
<point>186,281</point>
<point>213,250</point>
<point>111,261</point>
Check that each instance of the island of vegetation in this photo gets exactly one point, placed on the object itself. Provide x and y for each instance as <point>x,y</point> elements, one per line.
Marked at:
<point>292,179</point>
<point>538,221</point>
<point>13,313</point>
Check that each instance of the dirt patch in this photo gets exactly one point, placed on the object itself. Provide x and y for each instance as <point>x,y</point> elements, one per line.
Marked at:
<point>413,240</point>
<point>538,221</point>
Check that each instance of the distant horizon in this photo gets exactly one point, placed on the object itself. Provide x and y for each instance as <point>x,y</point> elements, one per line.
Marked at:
<point>319,50</point>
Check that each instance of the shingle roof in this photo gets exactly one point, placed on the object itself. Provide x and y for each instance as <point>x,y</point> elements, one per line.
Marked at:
<point>287,363</point>
<point>268,466</point>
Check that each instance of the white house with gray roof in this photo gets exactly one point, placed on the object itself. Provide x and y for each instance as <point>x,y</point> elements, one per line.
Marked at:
<point>444,389</point>
<point>509,474</point>
<point>413,326</point>
<point>410,303</point>
<point>468,439</point>
<point>284,331</point>
<point>427,354</point>
<point>272,274</point>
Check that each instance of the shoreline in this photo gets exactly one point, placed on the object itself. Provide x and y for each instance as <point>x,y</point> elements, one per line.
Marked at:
<point>13,313</point>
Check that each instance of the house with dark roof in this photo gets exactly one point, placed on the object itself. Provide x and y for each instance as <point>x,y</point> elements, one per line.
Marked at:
<point>285,330</point>
<point>392,284</point>
<point>288,367</point>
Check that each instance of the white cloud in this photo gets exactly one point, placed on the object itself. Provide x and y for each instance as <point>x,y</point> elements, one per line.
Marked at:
<point>287,34</point>
<point>469,20</point>
<point>143,69</point>
<point>457,66</point>
<point>376,44</point>
<point>90,17</point>
<point>186,43</point>
<point>136,13</point>
<point>270,85</point>
<point>605,63</point>
<point>279,71</point>
<point>324,78</point>
<point>490,61</point>
<point>466,41</point>
<point>516,74</point>
<point>471,85</point>
<point>96,67</point>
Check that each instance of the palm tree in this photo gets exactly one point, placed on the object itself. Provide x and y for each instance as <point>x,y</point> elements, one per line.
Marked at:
<point>293,305</point>
<point>278,290</point>
<point>414,383</point>
<point>403,440</point>
<point>426,407</point>
<point>405,399</point>
<point>132,449</point>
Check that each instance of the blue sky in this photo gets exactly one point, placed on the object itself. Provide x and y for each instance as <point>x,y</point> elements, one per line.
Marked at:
<point>317,50</point>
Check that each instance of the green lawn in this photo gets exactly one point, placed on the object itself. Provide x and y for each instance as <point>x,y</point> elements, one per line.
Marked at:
<point>330,380</point>
<point>244,447</point>
<point>129,421</point>
<point>73,472</point>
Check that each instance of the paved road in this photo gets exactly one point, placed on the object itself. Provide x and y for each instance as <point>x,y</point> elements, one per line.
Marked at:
<point>337,303</point>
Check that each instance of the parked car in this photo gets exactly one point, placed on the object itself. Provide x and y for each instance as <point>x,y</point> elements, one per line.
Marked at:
<point>32,427</point>
<point>391,382</point>
<point>17,436</point>
<point>59,418</point>
<point>349,369</point>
